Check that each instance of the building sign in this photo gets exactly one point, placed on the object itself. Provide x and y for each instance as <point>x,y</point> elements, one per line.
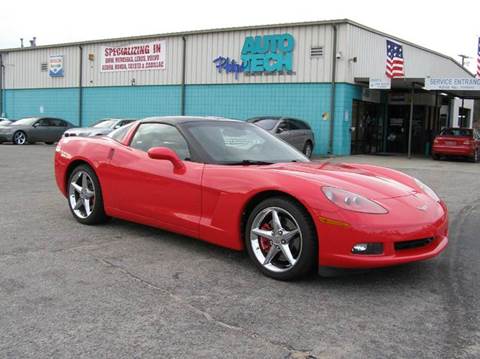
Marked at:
<point>55,66</point>
<point>446,84</point>
<point>380,84</point>
<point>268,54</point>
<point>144,56</point>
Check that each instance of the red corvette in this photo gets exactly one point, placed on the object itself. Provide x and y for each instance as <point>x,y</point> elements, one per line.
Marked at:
<point>464,142</point>
<point>235,185</point>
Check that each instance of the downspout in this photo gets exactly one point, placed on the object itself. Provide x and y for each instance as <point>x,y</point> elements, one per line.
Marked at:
<point>332,97</point>
<point>80,88</point>
<point>1,85</point>
<point>182,95</point>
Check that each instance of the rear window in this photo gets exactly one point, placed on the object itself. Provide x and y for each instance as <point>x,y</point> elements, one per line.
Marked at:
<point>461,132</point>
<point>266,123</point>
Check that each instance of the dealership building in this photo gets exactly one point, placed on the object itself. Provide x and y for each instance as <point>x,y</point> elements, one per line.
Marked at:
<point>331,74</point>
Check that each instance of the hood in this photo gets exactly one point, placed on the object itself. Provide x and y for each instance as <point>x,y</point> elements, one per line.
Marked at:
<point>347,177</point>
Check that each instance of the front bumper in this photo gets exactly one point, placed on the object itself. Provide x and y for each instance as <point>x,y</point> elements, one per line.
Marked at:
<point>393,231</point>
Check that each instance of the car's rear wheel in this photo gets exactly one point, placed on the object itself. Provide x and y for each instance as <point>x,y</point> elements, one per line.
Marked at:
<point>85,196</point>
<point>307,149</point>
<point>19,138</point>
<point>475,156</point>
<point>281,239</point>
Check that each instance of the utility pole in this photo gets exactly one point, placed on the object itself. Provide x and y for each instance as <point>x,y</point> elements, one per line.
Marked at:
<point>463,57</point>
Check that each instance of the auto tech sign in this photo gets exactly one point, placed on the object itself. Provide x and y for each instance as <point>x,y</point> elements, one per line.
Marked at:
<point>144,56</point>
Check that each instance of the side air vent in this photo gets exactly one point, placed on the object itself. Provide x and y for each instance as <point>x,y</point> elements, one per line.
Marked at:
<point>316,51</point>
<point>44,67</point>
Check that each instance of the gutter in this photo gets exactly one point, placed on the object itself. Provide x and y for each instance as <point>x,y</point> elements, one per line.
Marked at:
<point>182,95</point>
<point>333,86</point>
<point>80,88</point>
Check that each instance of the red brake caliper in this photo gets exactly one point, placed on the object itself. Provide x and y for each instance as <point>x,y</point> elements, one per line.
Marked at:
<point>265,244</point>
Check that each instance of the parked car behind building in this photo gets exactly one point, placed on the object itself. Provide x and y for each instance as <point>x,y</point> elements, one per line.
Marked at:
<point>293,131</point>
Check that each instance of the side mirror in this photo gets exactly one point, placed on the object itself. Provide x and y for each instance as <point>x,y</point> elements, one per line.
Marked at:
<point>281,129</point>
<point>164,153</point>
<point>36,124</point>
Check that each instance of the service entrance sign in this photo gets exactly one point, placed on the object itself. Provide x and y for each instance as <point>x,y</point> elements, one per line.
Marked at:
<point>144,56</point>
<point>380,84</point>
<point>449,84</point>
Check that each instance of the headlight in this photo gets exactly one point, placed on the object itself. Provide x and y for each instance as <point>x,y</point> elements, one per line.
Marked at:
<point>352,201</point>
<point>428,191</point>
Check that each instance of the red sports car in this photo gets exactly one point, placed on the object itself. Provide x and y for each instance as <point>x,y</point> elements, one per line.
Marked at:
<point>235,185</point>
<point>464,142</point>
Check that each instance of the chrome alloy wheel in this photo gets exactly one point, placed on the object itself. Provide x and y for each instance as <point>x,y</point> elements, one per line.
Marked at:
<point>19,138</point>
<point>276,239</point>
<point>81,193</point>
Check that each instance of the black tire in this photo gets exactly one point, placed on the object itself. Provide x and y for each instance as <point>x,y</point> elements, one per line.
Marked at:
<point>49,143</point>
<point>308,149</point>
<point>475,158</point>
<point>20,138</point>
<point>306,259</point>
<point>97,214</point>
<point>435,157</point>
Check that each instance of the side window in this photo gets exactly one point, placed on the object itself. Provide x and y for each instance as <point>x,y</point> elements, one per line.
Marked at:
<point>120,133</point>
<point>150,135</point>
<point>43,122</point>
<point>57,123</point>
<point>283,126</point>
<point>301,125</point>
<point>294,125</point>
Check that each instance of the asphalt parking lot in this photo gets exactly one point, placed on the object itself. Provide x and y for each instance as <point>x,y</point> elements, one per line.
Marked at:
<point>123,290</point>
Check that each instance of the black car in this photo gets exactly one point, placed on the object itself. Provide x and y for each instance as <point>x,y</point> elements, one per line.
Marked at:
<point>100,128</point>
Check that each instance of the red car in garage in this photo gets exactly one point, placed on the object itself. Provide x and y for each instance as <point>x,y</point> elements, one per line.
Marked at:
<point>461,142</point>
<point>235,185</point>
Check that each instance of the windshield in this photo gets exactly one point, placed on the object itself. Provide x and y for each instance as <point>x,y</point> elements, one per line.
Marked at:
<point>25,121</point>
<point>104,124</point>
<point>266,123</point>
<point>240,143</point>
<point>456,132</point>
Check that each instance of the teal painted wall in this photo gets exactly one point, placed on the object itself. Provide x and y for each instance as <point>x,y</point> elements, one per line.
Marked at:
<point>241,101</point>
<point>304,101</point>
<point>61,103</point>
<point>130,102</point>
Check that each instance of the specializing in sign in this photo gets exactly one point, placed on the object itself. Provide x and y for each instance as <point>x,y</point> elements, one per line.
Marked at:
<point>144,56</point>
<point>446,84</point>
<point>55,66</point>
<point>268,54</point>
<point>380,84</point>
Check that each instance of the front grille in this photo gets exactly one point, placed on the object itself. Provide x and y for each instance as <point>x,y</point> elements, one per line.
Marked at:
<point>416,243</point>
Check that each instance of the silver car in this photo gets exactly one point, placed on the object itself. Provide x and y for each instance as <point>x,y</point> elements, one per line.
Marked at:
<point>100,128</point>
<point>34,129</point>
<point>293,131</point>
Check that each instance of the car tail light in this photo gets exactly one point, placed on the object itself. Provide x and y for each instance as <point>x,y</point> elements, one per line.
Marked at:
<point>352,201</point>
<point>436,141</point>
<point>467,142</point>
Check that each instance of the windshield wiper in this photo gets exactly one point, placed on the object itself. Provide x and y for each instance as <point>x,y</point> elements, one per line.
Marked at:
<point>248,162</point>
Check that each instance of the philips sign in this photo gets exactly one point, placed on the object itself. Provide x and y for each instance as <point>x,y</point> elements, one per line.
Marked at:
<point>266,54</point>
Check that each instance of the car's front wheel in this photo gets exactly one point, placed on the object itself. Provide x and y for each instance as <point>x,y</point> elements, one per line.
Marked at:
<point>281,239</point>
<point>85,196</point>
<point>19,138</point>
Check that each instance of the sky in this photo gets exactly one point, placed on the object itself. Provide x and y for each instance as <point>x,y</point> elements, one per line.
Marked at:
<point>451,28</point>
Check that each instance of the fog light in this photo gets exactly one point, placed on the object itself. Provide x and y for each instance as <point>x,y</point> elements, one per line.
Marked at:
<point>368,248</point>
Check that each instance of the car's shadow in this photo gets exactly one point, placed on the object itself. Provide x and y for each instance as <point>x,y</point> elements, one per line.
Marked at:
<point>401,274</point>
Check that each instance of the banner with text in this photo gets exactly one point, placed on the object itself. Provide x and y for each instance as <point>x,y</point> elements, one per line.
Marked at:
<point>446,84</point>
<point>144,56</point>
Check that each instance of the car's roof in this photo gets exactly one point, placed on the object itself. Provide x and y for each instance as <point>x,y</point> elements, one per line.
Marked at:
<point>175,120</point>
<point>265,118</point>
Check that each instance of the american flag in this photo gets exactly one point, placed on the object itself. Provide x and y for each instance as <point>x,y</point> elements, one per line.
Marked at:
<point>394,60</point>
<point>478,59</point>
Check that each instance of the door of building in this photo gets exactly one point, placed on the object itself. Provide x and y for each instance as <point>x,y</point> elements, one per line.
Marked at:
<point>367,129</point>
